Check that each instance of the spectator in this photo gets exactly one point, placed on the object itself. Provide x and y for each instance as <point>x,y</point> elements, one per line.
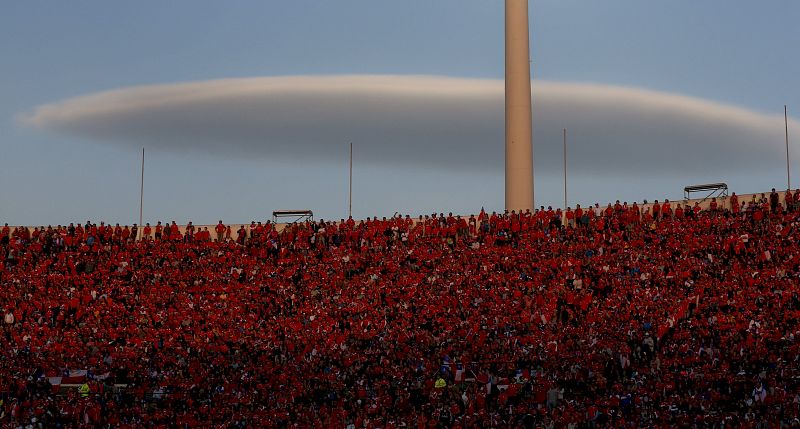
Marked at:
<point>631,320</point>
<point>220,230</point>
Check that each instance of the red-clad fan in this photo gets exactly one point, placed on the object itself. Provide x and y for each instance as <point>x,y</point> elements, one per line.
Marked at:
<point>642,317</point>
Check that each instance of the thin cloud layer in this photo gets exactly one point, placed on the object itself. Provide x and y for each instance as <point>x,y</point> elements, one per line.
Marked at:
<point>437,122</point>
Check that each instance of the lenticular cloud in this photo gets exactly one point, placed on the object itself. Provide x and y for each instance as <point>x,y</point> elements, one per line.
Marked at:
<point>439,122</point>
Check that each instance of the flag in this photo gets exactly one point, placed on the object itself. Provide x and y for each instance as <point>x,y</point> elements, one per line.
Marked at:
<point>503,383</point>
<point>74,376</point>
<point>459,373</point>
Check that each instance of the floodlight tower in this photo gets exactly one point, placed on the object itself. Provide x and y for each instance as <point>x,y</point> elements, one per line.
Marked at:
<point>519,143</point>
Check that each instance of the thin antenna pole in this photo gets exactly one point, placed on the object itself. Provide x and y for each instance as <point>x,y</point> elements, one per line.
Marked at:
<point>141,197</point>
<point>786,125</point>
<point>565,170</point>
<point>350,203</point>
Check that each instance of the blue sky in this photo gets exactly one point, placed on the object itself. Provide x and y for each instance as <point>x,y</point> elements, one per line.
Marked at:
<point>733,53</point>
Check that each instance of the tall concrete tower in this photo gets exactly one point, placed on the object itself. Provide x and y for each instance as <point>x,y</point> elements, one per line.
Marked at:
<point>519,143</point>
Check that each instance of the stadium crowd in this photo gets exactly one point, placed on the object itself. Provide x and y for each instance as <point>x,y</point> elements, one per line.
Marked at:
<point>664,315</point>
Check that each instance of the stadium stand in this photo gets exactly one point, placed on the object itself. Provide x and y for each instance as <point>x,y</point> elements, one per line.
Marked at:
<point>616,316</point>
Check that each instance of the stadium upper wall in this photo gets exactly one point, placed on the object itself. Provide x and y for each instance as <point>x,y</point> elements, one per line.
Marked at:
<point>723,203</point>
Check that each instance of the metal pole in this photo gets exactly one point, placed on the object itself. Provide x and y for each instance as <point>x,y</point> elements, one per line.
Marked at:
<point>565,171</point>
<point>350,203</point>
<point>786,125</point>
<point>141,198</point>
